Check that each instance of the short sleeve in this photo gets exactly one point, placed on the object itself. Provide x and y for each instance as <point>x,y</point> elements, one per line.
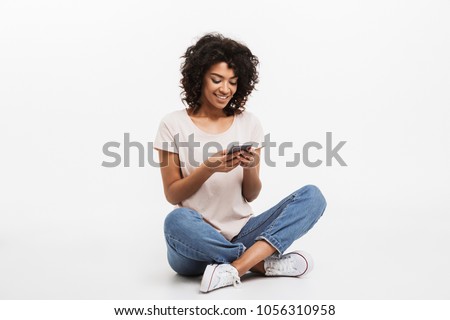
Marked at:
<point>164,139</point>
<point>257,133</point>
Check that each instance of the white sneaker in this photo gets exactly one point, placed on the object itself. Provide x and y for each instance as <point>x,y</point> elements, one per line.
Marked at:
<point>293,264</point>
<point>219,275</point>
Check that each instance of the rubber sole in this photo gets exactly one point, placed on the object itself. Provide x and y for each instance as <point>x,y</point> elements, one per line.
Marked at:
<point>207,278</point>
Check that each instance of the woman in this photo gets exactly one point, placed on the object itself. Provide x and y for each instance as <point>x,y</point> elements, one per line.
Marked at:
<point>213,230</point>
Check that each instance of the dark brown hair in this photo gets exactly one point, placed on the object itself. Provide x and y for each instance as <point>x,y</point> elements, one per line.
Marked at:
<point>210,49</point>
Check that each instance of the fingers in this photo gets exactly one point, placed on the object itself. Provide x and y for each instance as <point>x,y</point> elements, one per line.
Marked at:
<point>224,162</point>
<point>249,158</point>
<point>220,153</point>
<point>233,161</point>
<point>232,155</point>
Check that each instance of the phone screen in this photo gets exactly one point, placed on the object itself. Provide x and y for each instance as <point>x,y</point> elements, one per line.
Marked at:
<point>237,148</point>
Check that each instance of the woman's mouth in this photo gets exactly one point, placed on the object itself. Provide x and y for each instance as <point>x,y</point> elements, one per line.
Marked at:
<point>222,97</point>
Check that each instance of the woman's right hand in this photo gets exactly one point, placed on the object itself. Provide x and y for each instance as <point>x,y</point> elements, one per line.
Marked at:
<point>178,188</point>
<point>222,162</point>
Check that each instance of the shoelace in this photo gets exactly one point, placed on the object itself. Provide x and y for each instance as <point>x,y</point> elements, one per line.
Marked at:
<point>226,274</point>
<point>282,264</point>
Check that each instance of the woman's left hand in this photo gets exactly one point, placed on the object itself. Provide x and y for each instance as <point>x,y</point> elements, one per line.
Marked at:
<point>248,158</point>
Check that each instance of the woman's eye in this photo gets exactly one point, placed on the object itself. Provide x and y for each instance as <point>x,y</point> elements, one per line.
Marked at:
<point>215,81</point>
<point>233,83</point>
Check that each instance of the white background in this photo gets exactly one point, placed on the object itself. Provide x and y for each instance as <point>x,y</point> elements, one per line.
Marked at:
<point>77,74</point>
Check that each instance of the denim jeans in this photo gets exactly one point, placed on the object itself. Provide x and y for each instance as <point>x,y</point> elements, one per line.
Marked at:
<point>192,243</point>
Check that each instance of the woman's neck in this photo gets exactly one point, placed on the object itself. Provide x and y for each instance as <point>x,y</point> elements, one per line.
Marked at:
<point>211,113</point>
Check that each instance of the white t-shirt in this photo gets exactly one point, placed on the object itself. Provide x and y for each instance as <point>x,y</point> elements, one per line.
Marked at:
<point>219,200</point>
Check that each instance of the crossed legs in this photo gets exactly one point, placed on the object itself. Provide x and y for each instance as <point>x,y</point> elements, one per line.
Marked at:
<point>193,244</point>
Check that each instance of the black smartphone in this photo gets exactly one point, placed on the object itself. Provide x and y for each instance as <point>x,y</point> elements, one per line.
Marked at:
<point>235,148</point>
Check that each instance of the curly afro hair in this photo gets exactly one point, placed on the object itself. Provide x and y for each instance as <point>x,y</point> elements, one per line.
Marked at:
<point>210,49</point>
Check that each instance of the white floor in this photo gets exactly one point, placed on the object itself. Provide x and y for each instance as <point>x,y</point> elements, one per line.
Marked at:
<point>111,262</point>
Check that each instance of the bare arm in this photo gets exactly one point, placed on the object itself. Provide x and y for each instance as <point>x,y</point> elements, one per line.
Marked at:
<point>251,184</point>
<point>177,188</point>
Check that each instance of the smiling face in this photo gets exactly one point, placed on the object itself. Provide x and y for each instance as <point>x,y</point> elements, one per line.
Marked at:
<point>219,86</point>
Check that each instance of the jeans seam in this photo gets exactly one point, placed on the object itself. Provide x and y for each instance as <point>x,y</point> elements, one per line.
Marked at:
<point>256,227</point>
<point>270,227</point>
<point>241,250</point>
<point>184,244</point>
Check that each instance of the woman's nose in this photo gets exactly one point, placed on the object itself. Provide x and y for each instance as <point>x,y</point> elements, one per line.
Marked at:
<point>224,88</point>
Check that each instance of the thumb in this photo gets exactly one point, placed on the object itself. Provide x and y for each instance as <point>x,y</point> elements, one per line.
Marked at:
<point>220,153</point>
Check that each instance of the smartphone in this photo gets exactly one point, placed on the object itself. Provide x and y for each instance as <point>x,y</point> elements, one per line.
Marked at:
<point>235,148</point>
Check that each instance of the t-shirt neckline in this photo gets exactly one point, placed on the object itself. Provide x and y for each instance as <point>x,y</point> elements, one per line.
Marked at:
<point>208,133</point>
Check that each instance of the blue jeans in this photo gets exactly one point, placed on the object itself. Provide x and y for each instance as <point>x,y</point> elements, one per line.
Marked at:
<point>192,243</point>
